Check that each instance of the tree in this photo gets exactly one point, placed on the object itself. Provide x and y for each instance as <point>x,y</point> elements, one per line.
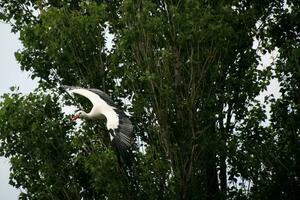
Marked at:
<point>283,162</point>
<point>191,75</point>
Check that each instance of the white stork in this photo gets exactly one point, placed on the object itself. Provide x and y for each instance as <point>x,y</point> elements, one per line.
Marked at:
<point>117,121</point>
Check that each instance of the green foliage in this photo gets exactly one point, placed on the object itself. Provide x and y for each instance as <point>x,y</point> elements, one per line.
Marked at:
<point>192,75</point>
<point>34,135</point>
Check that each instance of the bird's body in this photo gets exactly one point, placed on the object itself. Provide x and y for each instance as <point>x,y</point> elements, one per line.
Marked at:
<point>117,121</point>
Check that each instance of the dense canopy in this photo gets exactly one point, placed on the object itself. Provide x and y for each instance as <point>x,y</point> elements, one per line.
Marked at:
<point>191,76</point>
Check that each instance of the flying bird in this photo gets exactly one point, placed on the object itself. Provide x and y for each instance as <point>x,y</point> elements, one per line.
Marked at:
<point>118,124</point>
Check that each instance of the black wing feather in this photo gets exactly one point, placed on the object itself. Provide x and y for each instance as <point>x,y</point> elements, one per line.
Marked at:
<point>122,139</point>
<point>123,135</point>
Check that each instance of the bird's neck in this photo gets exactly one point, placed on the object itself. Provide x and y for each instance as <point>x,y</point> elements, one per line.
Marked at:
<point>85,115</point>
<point>90,115</point>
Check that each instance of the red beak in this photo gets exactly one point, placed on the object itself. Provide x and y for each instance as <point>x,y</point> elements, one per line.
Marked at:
<point>75,117</point>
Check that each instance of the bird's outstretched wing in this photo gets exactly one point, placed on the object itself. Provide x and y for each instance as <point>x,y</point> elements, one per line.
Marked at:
<point>94,98</point>
<point>104,96</point>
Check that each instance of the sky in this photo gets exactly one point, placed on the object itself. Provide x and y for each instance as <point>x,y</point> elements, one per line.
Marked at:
<point>10,75</point>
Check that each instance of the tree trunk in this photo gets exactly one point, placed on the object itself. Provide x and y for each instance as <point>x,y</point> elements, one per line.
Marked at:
<point>211,179</point>
<point>223,175</point>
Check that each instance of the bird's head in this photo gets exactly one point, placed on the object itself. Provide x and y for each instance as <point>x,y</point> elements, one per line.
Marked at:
<point>78,114</point>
